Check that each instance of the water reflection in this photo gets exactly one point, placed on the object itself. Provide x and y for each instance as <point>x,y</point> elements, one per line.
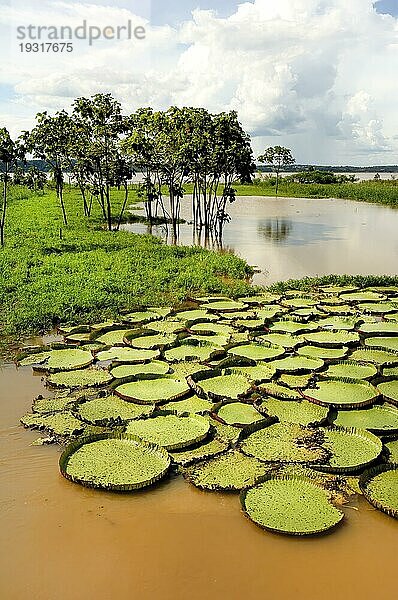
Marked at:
<point>276,230</point>
<point>297,237</point>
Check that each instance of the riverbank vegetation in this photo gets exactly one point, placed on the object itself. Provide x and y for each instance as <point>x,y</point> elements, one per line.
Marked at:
<point>82,272</point>
<point>379,191</point>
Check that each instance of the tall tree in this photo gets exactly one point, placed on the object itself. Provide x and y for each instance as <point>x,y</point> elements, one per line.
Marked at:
<point>10,153</point>
<point>50,140</point>
<point>278,158</point>
<point>101,124</point>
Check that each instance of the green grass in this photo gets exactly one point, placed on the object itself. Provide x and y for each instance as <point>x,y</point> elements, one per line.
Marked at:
<point>380,192</point>
<point>91,274</point>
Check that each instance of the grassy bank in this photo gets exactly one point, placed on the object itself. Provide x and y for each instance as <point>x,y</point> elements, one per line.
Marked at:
<point>380,192</point>
<point>91,274</point>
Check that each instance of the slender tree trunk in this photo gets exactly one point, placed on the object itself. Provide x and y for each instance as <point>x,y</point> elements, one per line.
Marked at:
<point>61,199</point>
<point>4,210</point>
<point>126,195</point>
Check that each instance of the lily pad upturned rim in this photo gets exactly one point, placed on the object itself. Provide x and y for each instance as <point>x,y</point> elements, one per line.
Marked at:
<point>77,444</point>
<point>367,477</point>
<point>308,393</point>
<point>291,478</point>
<point>351,431</point>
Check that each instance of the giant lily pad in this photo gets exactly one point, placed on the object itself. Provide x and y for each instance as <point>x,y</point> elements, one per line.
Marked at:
<point>81,378</point>
<point>102,411</point>
<point>342,393</point>
<point>351,369</point>
<point>152,391</point>
<point>389,389</point>
<point>114,462</point>
<point>324,353</point>
<point>62,424</point>
<point>286,442</point>
<point>114,337</point>
<point>127,355</point>
<point>172,432</point>
<point>193,404</point>
<point>378,419</point>
<point>230,471</point>
<point>150,342</point>
<point>257,352</point>
<point>66,360</point>
<point>378,357</point>
<point>332,338</point>
<point>190,352</point>
<point>293,364</point>
<point>351,449</point>
<point>380,328</point>
<point>155,367</point>
<point>286,340</point>
<point>291,505</point>
<point>380,487</point>
<point>388,343</point>
<point>225,306</point>
<point>279,391</point>
<point>193,455</point>
<point>238,413</point>
<point>217,387</point>
<point>294,411</point>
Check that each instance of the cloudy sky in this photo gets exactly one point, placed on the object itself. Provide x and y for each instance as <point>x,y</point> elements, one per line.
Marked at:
<point>318,76</point>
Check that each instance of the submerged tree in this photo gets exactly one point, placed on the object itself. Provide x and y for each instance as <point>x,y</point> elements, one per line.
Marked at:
<point>277,157</point>
<point>10,153</point>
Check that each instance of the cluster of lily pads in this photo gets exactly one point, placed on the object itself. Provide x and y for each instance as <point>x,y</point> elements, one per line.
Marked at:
<point>290,399</point>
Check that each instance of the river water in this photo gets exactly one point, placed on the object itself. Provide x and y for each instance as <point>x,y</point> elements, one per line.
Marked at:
<point>61,541</point>
<point>296,237</point>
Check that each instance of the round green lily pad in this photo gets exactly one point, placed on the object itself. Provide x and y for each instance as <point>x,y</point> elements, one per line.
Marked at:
<point>60,403</point>
<point>150,342</point>
<point>257,352</point>
<point>172,432</point>
<point>224,386</point>
<point>193,404</point>
<point>238,413</point>
<point>114,462</point>
<point>324,353</point>
<point>187,352</point>
<point>392,448</point>
<point>115,337</point>
<point>279,391</point>
<point>291,505</point>
<point>193,455</point>
<point>289,326</point>
<point>192,316</point>
<point>139,318</point>
<point>152,391</point>
<point>380,487</point>
<point>388,343</point>
<point>342,393</point>
<point>351,369</point>
<point>127,355</point>
<point>378,357</point>
<point>66,360</point>
<point>80,378</point>
<point>380,327</point>
<point>34,358</point>
<point>286,340</point>
<point>155,367</point>
<point>337,323</point>
<point>261,372</point>
<point>378,307</point>
<point>389,389</point>
<point>165,326</point>
<point>285,442</point>
<point>211,328</point>
<point>230,471</point>
<point>226,305</point>
<point>294,411</point>
<point>378,419</point>
<point>351,449</point>
<point>62,424</point>
<point>362,296</point>
<point>295,381</point>
<point>293,364</point>
<point>332,338</point>
<point>101,411</point>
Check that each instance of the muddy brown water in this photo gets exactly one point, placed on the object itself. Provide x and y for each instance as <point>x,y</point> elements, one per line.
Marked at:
<point>61,541</point>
